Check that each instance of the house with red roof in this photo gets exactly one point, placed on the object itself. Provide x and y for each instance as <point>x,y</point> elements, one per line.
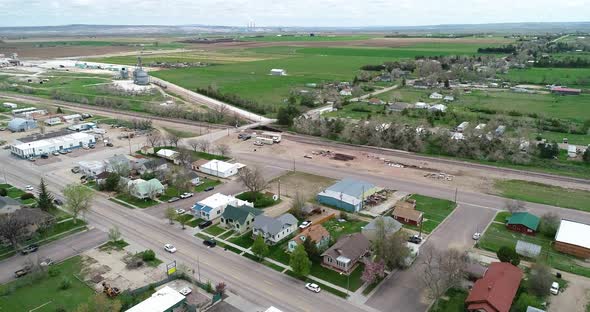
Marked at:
<point>495,291</point>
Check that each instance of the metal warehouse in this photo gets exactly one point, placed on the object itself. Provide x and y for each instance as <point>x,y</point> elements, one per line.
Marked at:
<point>348,194</point>
<point>46,146</point>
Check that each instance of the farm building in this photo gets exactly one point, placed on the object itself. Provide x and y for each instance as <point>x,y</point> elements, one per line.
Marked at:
<point>164,300</point>
<point>278,72</point>
<point>32,114</point>
<point>421,105</point>
<point>438,108</point>
<point>220,168</point>
<point>23,110</point>
<point>46,146</point>
<point>496,290</point>
<point>565,91</point>
<point>9,105</point>
<point>449,98</point>
<point>167,154</point>
<point>572,151</point>
<point>52,121</point>
<point>462,126</point>
<point>405,212</point>
<point>523,222</point>
<point>572,238</point>
<point>347,194</point>
<point>20,125</point>
<point>213,206</point>
<point>140,76</point>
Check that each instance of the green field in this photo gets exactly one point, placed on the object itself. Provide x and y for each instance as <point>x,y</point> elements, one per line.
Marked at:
<point>306,37</point>
<point>544,194</point>
<point>572,77</point>
<point>26,293</point>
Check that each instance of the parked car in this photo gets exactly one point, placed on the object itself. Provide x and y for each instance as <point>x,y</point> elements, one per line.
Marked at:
<point>415,239</point>
<point>313,287</point>
<point>29,188</point>
<point>258,143</point>
<point>46,262</point>
<point>205,224</point>
<point>554,288</point>
<point>24,271</point>
<point>63,152</point>
<point>56,153</point>
<point>305,224</point>
<point>92,146</point>
<point>2,129</point>
<point>180,211</point>
<point>58,202</point>
<point>76,169</point>
<point>210,243</point>
<point>476,235</point>
<point>210,188</point>
<point>44,156</point>
<point>186,195</point>
<point>170,248</point>
<point>29,249</point>
<point>173,199</point>
<point>307,156</point>
<point>110,144</point>
<point>31,158</point>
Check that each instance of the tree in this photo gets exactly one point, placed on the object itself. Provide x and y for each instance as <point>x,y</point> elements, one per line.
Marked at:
<point>154,138</point>
<point>121,168</point>
<point>171,214</point>
<point>41,126</point>
<point>12,228</point>
<point>259,247</point>
<point>312,249</point>
<point>172,139</point>
<point>374,270</point>
<point>547,150</point>
<point>299,262</point>
<point>508,254</point>
<point>183,222</point>
<point>203,145</point>
<point>586,156</point>
<point>286,114</point>
<point>222,149</point>
<point>111,183</point>
<point>297,205</point>
<point>180,179</point>
<point>78,199</point>
<point>391,248</point>
<point>540,279</point>
<point>100,303</point>
<point>549,224</point>
<point>194,144</point>
<point>45,200</point>
<point>185,157</point>
<point>441,270</point>
<point>514,205</point>
<point>59,110</point>
<point>114,234</point>
<point>220,288</point>
<point>524,301</point>
<point>252,179</point>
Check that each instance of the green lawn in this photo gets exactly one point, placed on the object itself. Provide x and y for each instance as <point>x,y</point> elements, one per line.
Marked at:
<point>195,222</point>
<point>322,286</point>
<point>452,301</point>
<point>572,77</point>
<point>273,266</point>
<point>435,211</point>
<point>544,194</point>
<point>116,245</point>
<point>278,251</point>
<point>502,216</point>
<point>243,241</point>
<point>259,200</point>
<point>337,229</point>
<point>140,203</point>
<point>336,278</point>
<point>226,235</point>
<point>46,291</point>
<point>214,230</point>
<point>206,182</point>
<point>181,134</point>
<point>497,235</point>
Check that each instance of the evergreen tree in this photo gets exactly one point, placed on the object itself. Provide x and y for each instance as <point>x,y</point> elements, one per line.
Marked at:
<point>59,110</point>
<point>586,156</point>
<point>299,261</point>
<point>45,201</point>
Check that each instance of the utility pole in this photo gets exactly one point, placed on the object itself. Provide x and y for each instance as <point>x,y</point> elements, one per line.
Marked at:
<point>456,190</point>
<point>293,164</point>
<point>199,269</point>
<point>129,140</point>
<point>279,188</point>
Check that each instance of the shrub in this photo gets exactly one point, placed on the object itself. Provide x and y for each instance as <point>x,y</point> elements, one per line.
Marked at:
<point>508,254</point>
<point>65,283</point>
<point>26,196</point>
<point>53,271</point>
<point>209,287</point>
<point>3,192</point>
<point>148,255</point>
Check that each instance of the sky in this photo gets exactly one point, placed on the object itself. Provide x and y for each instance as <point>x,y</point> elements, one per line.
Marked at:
<point>347,13</point>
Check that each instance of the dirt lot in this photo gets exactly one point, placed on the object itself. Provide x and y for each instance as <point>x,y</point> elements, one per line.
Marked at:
<point>306,184</point>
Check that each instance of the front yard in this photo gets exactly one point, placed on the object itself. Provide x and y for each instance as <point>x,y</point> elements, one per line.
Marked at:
<point>29,293</point>
<point>214,230</point>
<point>245,240</point>
<point>133,201</point>
<point>435,211</point>
<point>497,235</point>
<point>338,279</point>
<point>452,301</point>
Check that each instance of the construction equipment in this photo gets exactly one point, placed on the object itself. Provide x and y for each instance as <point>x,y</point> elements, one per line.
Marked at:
<point>111,292</point>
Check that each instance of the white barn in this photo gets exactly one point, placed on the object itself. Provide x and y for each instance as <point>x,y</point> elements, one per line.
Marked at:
<point>220,168</point>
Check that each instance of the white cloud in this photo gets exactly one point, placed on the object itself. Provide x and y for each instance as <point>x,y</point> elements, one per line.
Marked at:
<point>288,12</point>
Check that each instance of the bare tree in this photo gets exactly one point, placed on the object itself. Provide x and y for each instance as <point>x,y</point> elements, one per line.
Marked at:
<point>297,206</point>
<point>12,228</point>
<point>185,157</point>
<point>204,145</point>
<point>194,144</point>
<point>514,205</point>
<point>252,179</point>
<point>41,126</point>
<point>114,234</point>
<point>220,111</point>
<point>121,168</point>
<point>172,139</point>
<point>78,199</point>
<point>442,270</point>
<point>154,138</point>
<point>223,149</point>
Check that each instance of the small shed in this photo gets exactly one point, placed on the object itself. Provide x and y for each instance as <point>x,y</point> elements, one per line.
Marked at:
<point>527,249</point>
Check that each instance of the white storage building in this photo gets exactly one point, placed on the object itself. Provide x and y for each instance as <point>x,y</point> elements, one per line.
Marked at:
<point>46,146</point>
<point>164,300</point>
<point>220,168</point>
<point>71,118</point>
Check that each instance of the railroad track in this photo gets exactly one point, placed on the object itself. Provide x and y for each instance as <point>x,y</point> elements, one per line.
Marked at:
<point>408,155</point>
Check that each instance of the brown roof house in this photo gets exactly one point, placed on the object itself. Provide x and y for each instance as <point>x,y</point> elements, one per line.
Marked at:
<point>405,212</point>
<point>317,233</point>
<point>345,254</point>
<point>495,291</point>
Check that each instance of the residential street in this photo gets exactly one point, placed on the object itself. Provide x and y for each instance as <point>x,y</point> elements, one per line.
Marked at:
<point>58,251</point>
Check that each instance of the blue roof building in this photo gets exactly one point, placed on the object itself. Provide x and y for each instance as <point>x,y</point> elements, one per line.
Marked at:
<point>20,124</point>
<point>347,194</point>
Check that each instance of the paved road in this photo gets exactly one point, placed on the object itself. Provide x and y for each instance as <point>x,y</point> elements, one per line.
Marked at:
<point>57,250</point>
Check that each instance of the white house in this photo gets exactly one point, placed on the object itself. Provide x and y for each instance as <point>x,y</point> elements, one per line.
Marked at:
<point>220,168</point>
<point>92,168</point>
<point>164,300</point>
<point>143,189</point>
<point>274,230</point>
<point>436,96</point>
<point>213,206</point>
<point>278,72</point>
<point>167,154</point>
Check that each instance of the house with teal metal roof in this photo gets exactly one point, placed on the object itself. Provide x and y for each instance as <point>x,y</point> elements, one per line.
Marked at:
<point>523,222</point>
<point>240,219</point>
<point>347,194</point>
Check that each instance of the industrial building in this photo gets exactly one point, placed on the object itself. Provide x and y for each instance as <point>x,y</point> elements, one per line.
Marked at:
<point>220,168</point>
<point>53,144</point>
<point>213,206</point>
<point>348,194</point>
<point>20,124</point>
<point>572,238</point>
<point>164,300</point>
<point>140,76</point>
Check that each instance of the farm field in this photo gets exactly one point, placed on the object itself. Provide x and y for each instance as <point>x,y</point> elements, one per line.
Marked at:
<point>306,37</point>
<point>572,77</point>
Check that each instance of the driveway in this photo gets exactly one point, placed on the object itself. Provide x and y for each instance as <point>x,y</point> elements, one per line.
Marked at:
<point>574,298</point>
<point>58,250</point>
<point>403,288</point>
